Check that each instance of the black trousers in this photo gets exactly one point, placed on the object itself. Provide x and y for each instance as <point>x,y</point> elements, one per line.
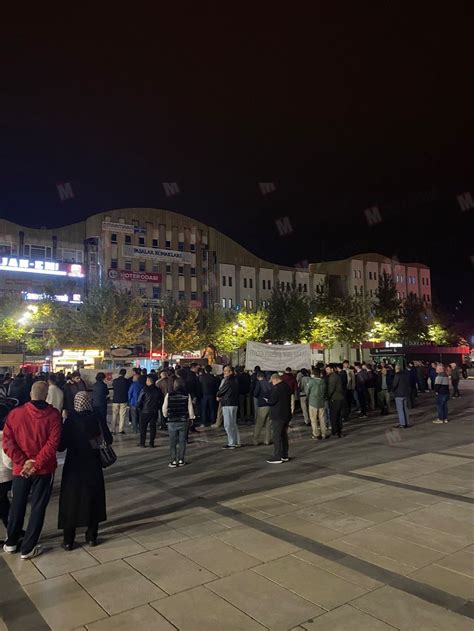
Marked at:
<point>455,384</point>
<point>335,414</point>
<point>280,439</point>
<point>91,533</point>
<point>147,418</point>
<point>347,408</point>
<point>412,397</point>
<point>362,394</point>
<point>40,488</point>
<point>4,501</point>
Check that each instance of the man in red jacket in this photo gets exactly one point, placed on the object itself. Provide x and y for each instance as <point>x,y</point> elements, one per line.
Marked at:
<point>30,438</point>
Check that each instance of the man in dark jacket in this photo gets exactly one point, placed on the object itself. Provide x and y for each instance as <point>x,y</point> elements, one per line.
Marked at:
<point>228,395</point>
<point>208,386</point>
<point>413,379</point>
<point>262,392</point>
<point>18,389</point>
<point>335,395</point>
<point>280,414</point>
<point>253,383</point>
<point>193,387</point>
<point>243,379</point>
<point>120,387</point>
<point>289,378</point>
<point>100,394</point>
<point>361,378</point>
<point>150,401</point>
<point>31,438</point>
<point>401,392</point>
<point>382,388</point>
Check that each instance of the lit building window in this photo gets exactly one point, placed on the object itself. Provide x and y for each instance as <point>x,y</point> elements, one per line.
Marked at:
<point>245,303</point>
<point>229,303</point>
<point>251,305</point>
<point>223,302</point>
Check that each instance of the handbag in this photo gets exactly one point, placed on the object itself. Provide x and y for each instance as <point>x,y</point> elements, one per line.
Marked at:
<point>106,452</point>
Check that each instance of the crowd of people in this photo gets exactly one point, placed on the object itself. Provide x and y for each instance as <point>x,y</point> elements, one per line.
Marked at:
<point>57,412</point>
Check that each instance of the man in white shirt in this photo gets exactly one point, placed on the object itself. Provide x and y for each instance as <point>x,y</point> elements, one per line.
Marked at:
<point>55,394</point>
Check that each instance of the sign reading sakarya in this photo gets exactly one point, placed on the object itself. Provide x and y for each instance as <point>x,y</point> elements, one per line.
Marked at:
<point>277,358</point>
<point>138,251</point>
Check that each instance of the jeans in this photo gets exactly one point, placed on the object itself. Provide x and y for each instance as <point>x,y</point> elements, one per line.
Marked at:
<point>145,419</point>
<point>4,501</point>
<point>402,410</point>
<point>135,418</point>
<point>280,439</point>
<point>208,409</point>
<point>119,416</point>
<point>262,422</point>
<point>177,433</point>
<point>318,421</point>
<point>442,405</point>
<point>229,413</point>
<point>335,414</point>
<point>40,488</point>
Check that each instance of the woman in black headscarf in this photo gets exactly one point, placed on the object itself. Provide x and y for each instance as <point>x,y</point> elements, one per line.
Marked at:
<point>82,495</point>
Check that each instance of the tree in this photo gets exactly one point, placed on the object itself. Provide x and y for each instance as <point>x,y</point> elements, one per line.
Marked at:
<point>289,316</point>
<point>387,305</point>
<point>438,334</point>
<point>384,332</point>
<point>356,320</point>
<point>109,317</point>
<point>325,330</point>
<point>245,327</point>
<point>413,327</point>
<point>182,332</point>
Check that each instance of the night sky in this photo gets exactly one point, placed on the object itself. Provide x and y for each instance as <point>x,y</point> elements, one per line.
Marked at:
<point>340,109</point>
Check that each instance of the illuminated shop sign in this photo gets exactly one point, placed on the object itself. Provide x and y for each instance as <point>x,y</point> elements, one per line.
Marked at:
<point>138,251</point>
<point>75,299</point>
<point>142,277</point>
<point>13,264</point>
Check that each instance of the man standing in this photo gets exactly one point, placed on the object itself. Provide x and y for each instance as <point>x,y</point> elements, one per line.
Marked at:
<point>30,438</point>
<point>253,383</point>
<point>120,387</point>
<point>243,379</point>
<point>194,389</point>
<point>316,395</point>
<point>150,401</point>
<point>401,392</point>
<point>350,387</point>
<point>442,394</point>
<point>289,378</point>
<point>303,381</point>
<point>335,396</point>
<point>413,380</point>
<point>208,386</point>
<point>133,394</point>
<point>262,392</point>
<point>382,387</point>
<point>455,377</point>
<point>361,377</point>
<point>228,396</point>
<point>280,414</point>
<point>55,394</point>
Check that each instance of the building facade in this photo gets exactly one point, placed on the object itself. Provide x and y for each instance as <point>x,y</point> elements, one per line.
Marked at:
<point>156,253</point>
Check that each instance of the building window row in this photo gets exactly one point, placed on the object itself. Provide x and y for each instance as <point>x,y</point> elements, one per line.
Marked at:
<point>228,301</point>
<point>399,278</point>
<point>227,280</point>
<point>141,241</point>
<point>425,281</point>
<point>248,282</point>
<point>248,304</point>
<point>357,273</point>
<point>372,275</point>
<point>426,298</point>
<point>411,280</point>
<point>266,284</point>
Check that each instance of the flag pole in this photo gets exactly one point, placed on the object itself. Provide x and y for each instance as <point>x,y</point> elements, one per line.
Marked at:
<point>151,333</point>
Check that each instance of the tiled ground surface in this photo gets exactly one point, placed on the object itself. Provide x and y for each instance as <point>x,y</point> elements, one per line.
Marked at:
<point>371,532</point>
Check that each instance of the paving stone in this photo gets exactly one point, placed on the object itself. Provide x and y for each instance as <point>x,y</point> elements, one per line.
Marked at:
<point>446,580</point>
<point>258,544</point>
<point>200,609</point>
<point>268,603</point>
<point>56,561</point>
<point>215,555</point>
<point>25,571</point>
<point>310,582</point>
<point>346,618</point>
<point>338,569</point>
<point>377,559</point>
<point>305,528</point>
<point>117,587</point>
<point>63,603</point>
<point>153,536</point>
<point>113,547</point>
<point>333,520</point>
<point>462,562</point>
<point>352,506</point>
<point>144,617</point>
<point>407,612</point>
<point>170,570</point>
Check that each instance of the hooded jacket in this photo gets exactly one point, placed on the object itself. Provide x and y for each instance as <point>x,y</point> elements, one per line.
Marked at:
<point>32,432</point>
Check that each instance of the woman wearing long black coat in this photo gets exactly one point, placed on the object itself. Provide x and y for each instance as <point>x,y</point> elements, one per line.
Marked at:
<point>82,495</point>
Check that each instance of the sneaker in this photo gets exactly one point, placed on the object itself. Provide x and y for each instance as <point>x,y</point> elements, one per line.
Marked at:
<point>37,550</point>
<point>445,420</point>
<point>237,446</point>
<point>397,426</point>
<point>285,459</point>
<point>438,421</point>
<point>181,463</point>
<point>9,547</point>
<point>228,447</point>
<point>173,464</point>
<point>275,461</point>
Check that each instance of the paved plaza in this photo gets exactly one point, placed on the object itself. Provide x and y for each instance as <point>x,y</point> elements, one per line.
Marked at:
<point>370,532</point>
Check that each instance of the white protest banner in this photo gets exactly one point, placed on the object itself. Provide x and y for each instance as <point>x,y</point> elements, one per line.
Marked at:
<point>277,358</point>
